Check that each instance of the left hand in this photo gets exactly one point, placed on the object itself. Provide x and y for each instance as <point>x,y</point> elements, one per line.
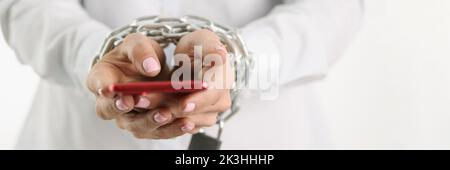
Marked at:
<point>201,108</point>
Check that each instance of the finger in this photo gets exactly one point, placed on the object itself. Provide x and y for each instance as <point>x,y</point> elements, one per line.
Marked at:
<point>204,119</point>
<point>211,100</point>
<point>109,108</point>
<point>101,76</point>
<point>179,127</point>
<point>207,40</point>
<point>142,125</point>
<point>151,100</point>
<point>204,48</point>
<point>145,54</point>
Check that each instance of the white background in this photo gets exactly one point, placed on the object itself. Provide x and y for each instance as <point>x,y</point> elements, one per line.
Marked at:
<point>391,89</point>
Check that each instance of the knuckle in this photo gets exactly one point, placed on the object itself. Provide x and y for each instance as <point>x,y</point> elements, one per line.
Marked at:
<point>205,32</point>
<point>133,37</point>
<point>101,115</point>
<point>185,121</point>
<point>120,124</point>
<point>133,128</point>
<point>138,47</point>
<point>134,43</point>
<point>159,136</point>
<point>142,44</point>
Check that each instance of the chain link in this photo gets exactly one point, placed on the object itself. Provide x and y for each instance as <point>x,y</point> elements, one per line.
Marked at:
<point>168,31</point>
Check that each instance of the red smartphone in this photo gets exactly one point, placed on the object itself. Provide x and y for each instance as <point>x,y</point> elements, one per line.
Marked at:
<point>139,88</point>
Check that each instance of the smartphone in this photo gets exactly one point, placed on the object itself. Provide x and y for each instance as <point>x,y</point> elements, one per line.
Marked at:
<point>140,88</point>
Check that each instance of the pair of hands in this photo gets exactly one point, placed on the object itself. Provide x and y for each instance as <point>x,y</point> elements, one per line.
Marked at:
<point>157,115</point>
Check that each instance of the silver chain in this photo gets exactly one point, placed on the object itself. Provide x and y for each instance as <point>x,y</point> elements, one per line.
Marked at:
<point>166,30</point>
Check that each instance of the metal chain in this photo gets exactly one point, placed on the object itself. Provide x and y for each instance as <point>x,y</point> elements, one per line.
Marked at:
<point>169,30</point>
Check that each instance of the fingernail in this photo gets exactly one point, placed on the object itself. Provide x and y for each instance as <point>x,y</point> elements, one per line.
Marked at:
<point>187,127</point>
<point>159,118</point>
<point>120,104</point>
<point>100,92</point>
<point>151,65</point>
<point>143,102</point>
<point>189,107</point>
<point>221,49</point>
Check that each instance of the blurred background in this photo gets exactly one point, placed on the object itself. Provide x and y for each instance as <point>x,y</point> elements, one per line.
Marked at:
<point>391,90</point>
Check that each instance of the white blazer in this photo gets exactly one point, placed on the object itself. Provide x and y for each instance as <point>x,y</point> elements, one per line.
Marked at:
<point>58,39</point>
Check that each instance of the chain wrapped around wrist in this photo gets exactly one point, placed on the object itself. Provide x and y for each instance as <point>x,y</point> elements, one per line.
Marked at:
<point>166,30</point>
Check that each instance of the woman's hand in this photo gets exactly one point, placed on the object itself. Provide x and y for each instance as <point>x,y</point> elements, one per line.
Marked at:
<point>138,58</point>
<point>156,116</point>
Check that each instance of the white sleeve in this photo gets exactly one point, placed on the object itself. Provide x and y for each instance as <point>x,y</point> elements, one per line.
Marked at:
<point>305,36</point>
<point>56,37</point>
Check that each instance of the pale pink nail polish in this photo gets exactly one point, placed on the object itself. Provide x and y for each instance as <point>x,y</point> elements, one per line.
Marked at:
<point>151,65</point>
<point>221,49</point>
<point>143,102</point>
<point>159,118</point>
<point>100,92</point>
<point>120,104</point>
<point>187,127</point>
<point>189,107</point>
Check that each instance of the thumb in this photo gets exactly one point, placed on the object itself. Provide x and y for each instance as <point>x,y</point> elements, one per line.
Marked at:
<point>145,54</point>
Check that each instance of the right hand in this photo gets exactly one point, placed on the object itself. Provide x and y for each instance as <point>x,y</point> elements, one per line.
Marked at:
<point>137,58</point>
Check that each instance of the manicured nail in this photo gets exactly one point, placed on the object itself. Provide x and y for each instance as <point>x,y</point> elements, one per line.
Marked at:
<point>100,92</point>
<point>143,102</point>
<point>187,127</point>
<point>120,104</point>
<point>221,49</point>
<point>189,107</point>
<point>151,65</point>
<point>159,118</point>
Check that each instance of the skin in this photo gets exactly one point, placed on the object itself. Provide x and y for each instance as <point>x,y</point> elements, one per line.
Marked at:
<point>158,116</point>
